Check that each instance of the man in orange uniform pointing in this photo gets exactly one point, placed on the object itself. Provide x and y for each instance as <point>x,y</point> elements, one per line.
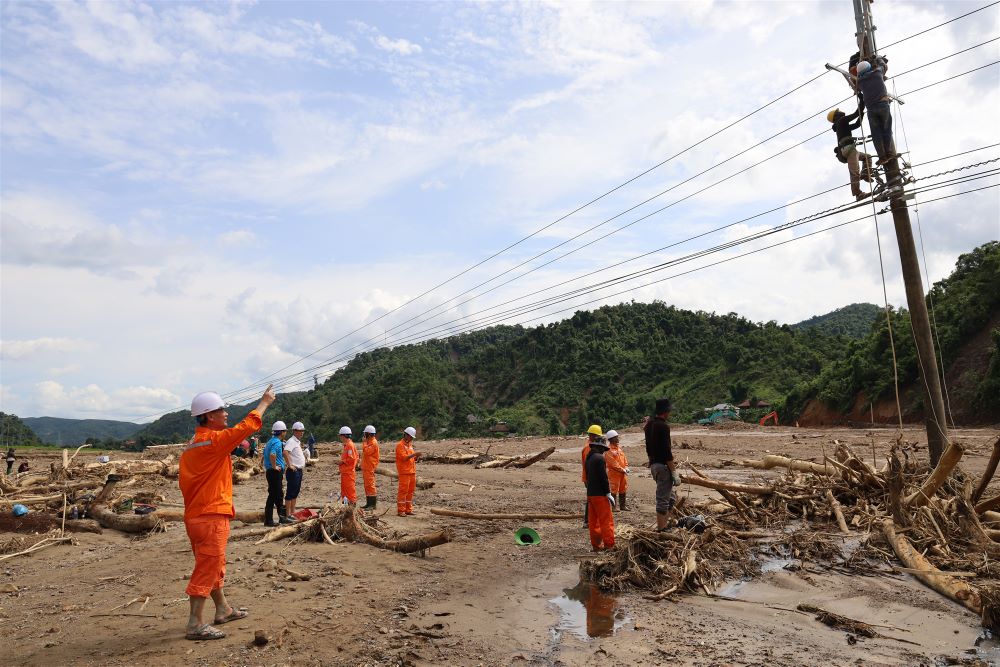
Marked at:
<point>406,466</point>
<point>369,461</point>
<point>348,465</point>
<point>206,481</point>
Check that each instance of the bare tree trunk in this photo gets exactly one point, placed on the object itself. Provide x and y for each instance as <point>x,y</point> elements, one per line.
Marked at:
<point>498,517</point>
<point>952,455</point>
<point>991,469</point>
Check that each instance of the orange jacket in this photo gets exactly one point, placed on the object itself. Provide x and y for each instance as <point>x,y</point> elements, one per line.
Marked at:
<point>206,471</point>
<point>404,465</point>
<point>615,458</point>
<point>349,458</point>
<point>583,460</point>
<point>370,454</point>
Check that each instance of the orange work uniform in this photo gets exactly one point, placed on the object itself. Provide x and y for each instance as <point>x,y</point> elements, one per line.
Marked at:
<point>407,469</point>
<point>206,481</point>
<point>583,460</point>
<point>369,461</point>
<point>615,458</point>
<point>348,476</point>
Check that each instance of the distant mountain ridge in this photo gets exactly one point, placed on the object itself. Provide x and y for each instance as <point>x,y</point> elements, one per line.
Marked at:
<point>853,321</point>
<point>73,432</point>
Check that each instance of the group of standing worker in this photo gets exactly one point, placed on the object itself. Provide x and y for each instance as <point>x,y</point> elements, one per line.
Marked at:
<point>606,471</point>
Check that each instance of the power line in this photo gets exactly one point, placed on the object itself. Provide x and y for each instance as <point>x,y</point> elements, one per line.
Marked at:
<point>717,263</point>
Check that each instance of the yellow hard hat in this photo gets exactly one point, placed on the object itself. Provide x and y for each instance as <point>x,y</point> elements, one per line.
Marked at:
<point>829,116</point>
<point>595,430</point>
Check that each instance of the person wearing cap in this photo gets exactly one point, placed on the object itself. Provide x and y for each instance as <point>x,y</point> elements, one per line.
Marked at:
<point>617,469</point>
<point>600,500</point>
<point>274,470</point>
<point>206,483</point>
<point>348,464</point>
<point>369,461</point>
<point>295,463</point>
<point>661,460</point>
<point>406,467</point>
<point>843,127</point>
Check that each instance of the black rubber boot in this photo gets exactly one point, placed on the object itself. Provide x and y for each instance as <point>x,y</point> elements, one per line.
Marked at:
<point>622,505</point>
<point>370,502</point>
<point>586,515</point>
<point>269,518</point>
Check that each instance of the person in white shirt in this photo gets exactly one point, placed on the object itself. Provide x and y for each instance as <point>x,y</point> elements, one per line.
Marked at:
<point>295,463</point>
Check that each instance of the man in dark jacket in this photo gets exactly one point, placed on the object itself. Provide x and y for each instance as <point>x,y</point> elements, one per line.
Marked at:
<point>843,126</point>
<point>871,84</point>
<point>600,501</point>
<point>661,460</point>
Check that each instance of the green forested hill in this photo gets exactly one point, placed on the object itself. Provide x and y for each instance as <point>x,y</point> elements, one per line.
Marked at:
<point>14,433</point>
<point>853,321</point>
<point>67,432</point>
<point>966,308</point>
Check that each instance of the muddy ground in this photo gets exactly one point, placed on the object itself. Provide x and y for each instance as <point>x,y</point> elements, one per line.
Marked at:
<point>482,599</point>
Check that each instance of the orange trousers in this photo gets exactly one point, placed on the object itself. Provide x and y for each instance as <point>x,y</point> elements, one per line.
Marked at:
<point>404,500</point>
<point>618,482</point>
<point>600,522</point>
<point>208,534</point>
<point>369,478</point>
<point>348,485</point>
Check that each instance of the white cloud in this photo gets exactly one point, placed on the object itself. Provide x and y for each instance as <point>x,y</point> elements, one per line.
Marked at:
<point>403,47</point>
<point>13,350</point>
<point>52,398</point>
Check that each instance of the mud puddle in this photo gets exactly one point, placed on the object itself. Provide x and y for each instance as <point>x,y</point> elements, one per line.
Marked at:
<point>588,612</point>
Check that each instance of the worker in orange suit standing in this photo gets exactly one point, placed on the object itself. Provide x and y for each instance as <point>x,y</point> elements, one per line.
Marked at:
<point>206,481</point>
<point>369,461</point>
<point>600,500</point>
<point>617,469</point>
<point>348,467</point>
<point>406,466</point>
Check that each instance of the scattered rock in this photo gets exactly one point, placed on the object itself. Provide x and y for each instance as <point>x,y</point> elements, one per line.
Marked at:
<point>8,588</point>
<point>260,638</point>
<point>267,565</point>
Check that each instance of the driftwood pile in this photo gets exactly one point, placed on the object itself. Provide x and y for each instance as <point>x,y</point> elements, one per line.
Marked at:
<point>852,515</point>
<point>97,489</point>
<point>486,460</point>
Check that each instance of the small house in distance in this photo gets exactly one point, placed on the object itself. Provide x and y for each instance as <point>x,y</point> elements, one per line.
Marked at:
<point>500,428</point>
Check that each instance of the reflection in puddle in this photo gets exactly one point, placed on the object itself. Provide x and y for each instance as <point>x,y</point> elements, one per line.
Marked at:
<point>587,611</point>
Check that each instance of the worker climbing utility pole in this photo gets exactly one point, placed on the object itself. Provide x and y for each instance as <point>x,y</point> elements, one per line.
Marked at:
<point>937,428</point>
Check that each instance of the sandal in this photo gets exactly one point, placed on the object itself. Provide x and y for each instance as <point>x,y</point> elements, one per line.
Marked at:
<point>233,615</point>
<point>204,632</point>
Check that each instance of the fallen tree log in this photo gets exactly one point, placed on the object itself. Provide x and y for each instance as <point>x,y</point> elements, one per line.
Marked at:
<point>952,455</point>
<point>498,462</point>
<point>988,505</point>
<point>40,522</point>
<point>281,532</point>
<point>499,517</point>
<point>540,456</point>
<point>991,469</point>
<point>350,528</point>
<point>389,472</point>
<point>733,500</point>
<point>837,512</point>
<point>774,461</point>
<point>719,485</point>
<point>950,587</point>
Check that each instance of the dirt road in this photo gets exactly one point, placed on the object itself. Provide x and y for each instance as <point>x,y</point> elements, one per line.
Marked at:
<point>481,599</point>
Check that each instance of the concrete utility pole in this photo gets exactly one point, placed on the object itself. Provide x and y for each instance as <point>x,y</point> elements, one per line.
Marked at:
<point>937,426</point>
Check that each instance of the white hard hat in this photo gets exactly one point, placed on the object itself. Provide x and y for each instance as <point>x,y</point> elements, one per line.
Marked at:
<point>345,430</point>
<point>279,426</point>
<point>206,401</point>
<point>863,67</point>
<point>611,434</point>
<point>370,429</point>
<point>298,426</point>
<point>410,431</point>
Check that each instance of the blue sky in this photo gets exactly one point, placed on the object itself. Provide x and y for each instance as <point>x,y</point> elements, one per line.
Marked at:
<point>195,195</point>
